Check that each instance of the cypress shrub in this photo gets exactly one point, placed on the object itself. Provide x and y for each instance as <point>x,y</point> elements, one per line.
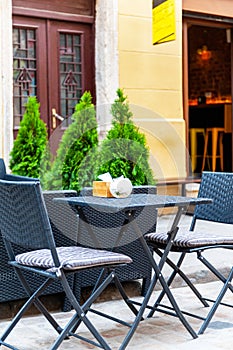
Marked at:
<point>74,164</point>
<point>124,150</point>
<point>31,140</point>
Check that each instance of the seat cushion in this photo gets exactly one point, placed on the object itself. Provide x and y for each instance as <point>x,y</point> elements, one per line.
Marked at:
<point>192,239</point>
<point>71,258</point>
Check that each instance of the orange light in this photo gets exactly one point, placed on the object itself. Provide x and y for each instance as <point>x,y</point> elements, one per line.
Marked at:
<point>204,53</point>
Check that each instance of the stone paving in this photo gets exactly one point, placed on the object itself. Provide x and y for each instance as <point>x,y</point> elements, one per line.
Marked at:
<point>162,332</point>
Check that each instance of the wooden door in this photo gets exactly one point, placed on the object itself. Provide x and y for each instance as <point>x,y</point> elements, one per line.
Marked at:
<point>53,60</point>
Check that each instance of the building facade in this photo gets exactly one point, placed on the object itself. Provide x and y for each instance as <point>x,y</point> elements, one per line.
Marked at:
<point>119,32</point>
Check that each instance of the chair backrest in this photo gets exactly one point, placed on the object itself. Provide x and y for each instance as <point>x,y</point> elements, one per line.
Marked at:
<point>12,177</point>
<point>2,168</point>
<point>23,216</point>
<point>219,187</point>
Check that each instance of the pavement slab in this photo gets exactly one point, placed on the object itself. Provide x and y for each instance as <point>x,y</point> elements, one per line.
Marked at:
<point>161,332</point>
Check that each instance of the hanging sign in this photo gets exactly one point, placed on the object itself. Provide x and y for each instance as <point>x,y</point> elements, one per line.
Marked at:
<point>163,21</point>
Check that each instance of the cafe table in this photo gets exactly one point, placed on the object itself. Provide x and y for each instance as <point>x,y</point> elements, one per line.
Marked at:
<point>129,206</point>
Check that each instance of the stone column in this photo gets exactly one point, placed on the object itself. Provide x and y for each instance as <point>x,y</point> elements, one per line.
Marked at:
<point>106,59</point>
<point>6,80</point>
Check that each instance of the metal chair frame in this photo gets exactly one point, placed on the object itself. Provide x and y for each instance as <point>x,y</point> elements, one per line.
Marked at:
<point>58,213</point>
<point>10,288</point>
<point>219,187</point>
<point>24,222</point>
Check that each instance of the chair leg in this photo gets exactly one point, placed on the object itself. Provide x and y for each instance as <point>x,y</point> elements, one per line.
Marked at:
<point>194,132</point>
<point>81,311</point>
<point>226,285</point>
<point>205,150</point>
<point>217,303</point>
<point>217,138</point>
<point>213,269</point>
<point>175,307</point>
<point>193,144</point>
<point>39,305</point>
<point>214,148</point>
<point>145,285</point>
<point>32,300</point>
<point>81,315</point>
<point>221,150</point>
<point>124,295</point>
<point>176,270</point>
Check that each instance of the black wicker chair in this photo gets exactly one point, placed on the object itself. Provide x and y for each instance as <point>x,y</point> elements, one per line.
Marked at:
<point>10,287</point>
<point>106,227</point>
<point>59,215</point>
<point>219,187</point>
<point>24,223</point>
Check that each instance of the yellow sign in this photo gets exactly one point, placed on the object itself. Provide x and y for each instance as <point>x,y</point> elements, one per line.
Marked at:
<point>163,21</point>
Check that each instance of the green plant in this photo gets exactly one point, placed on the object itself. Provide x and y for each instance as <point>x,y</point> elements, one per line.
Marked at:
<point>74,164</point>
<point>45,174</point>
<point>124,151</point>
<point>29,145</point>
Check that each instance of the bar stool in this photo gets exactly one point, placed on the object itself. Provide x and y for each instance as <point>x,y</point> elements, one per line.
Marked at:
<point>193,134</point>
<point>217,138</point>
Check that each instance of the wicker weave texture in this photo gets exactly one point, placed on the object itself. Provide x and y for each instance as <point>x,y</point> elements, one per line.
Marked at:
<point>219,186</point>
<point>64,221</point>
<point>21,221</point>
<point>66,234</point>
<point>10,287</point>
<point>106,227</point>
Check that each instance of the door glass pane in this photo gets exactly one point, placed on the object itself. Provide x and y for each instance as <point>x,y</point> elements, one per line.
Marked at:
<point>24,69</point>
<point>70,72</point>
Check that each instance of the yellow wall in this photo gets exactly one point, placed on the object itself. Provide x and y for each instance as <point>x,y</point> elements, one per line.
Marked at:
<point>151,77</point>
<point>215,7</point>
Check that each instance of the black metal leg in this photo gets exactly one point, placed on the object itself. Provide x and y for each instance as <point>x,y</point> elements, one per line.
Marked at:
<point>139,316</point>
<point>157,276</point>
<point>226,285</point>
<point>33,299</point>
<point>177,270</point>
<point>80,314</point>
<point>213,269</point>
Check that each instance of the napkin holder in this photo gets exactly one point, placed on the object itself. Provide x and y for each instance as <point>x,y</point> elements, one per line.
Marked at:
<point>101,189</point>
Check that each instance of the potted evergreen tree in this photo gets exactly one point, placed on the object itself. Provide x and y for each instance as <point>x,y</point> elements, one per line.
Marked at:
<point>31,140</point>
<point>124,150</point>
<point>73,166</point>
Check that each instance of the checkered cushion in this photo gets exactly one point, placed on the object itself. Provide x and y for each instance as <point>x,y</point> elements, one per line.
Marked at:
<point>71,258</point>
<point>192,239</point>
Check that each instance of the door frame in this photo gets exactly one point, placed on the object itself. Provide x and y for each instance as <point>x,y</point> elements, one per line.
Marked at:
<point>87,60</point>
<point>197,19</point>
<point>36,17</point>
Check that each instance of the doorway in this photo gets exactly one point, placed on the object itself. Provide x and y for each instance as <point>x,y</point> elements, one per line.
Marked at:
<point>207,92</point>
<point>54,61</point>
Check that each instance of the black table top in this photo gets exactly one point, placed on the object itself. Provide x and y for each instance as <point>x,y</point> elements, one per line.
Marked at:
<point>134,201</point>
